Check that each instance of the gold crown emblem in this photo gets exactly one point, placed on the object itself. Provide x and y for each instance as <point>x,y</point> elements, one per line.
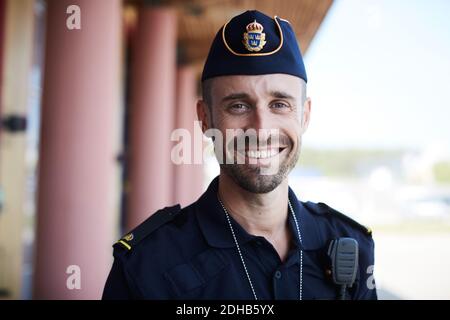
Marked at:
<point>254,39</point>
<point>254,27</point>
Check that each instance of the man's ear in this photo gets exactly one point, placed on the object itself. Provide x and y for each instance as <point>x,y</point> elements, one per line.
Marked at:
<point>203,114</point>
<point>306,114</point>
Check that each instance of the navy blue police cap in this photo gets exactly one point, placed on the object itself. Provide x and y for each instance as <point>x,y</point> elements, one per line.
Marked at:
<point>253,43</point>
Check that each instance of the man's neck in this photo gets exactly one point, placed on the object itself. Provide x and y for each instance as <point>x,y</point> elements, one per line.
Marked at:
<point>262,214</point>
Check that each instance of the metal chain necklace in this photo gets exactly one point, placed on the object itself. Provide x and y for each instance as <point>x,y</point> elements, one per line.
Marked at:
<point>242,258</point>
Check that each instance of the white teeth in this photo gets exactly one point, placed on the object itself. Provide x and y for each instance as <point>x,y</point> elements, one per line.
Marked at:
<point>262,154</point>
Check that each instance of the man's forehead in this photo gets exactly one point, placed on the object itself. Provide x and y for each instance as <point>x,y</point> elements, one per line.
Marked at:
<point>267,83</point>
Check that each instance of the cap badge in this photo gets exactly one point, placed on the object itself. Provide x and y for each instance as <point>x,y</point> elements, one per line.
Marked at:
<point>254,39</point>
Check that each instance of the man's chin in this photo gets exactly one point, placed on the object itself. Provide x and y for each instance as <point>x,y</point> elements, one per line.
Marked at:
<point>262,177</point>
<point>261,184</point>
<point>251,178</point>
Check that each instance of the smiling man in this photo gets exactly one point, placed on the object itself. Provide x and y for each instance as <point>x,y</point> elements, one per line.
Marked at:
<point>248,236</point>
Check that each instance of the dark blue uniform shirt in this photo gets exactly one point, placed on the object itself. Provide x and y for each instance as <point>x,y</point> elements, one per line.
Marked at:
<point>190,254</point>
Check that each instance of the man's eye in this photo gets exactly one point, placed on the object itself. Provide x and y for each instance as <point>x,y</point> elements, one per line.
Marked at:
<point>238,107</point>
<point>279,105</point>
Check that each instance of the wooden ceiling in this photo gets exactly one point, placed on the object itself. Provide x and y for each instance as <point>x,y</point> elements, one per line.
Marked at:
<point>199,20</point>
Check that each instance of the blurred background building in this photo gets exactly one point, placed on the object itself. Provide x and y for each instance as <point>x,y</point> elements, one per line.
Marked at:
<point>88,110</point>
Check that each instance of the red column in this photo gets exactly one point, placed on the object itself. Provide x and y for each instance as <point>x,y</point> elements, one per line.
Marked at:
<point>77,149</point>
<point>188,177</point>
<point>151,113</point>
<point>2,45</point>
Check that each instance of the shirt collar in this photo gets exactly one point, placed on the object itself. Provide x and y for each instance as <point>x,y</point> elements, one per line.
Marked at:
<point>214,225</point>
<point>311,236</point>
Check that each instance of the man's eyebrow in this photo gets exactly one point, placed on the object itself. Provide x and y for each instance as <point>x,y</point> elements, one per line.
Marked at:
<point>281,95</point>
<point>236,96</point>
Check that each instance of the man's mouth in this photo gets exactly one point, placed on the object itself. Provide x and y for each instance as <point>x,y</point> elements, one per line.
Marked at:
<point>262,153</point>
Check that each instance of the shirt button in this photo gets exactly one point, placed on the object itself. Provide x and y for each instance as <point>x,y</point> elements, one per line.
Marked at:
<point>278,274</point>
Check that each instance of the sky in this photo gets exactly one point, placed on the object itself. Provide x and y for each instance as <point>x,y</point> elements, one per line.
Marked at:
<point>379,76</point>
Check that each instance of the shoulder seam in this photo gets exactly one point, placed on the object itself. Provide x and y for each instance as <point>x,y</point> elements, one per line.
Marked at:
<point>324,208</point>
<point>156,220</point>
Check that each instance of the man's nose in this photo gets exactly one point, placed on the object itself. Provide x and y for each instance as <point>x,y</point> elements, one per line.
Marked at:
<point>261,120</point>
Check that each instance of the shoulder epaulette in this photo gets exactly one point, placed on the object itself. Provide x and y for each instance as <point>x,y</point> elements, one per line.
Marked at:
<point>322,208</point>
<point>152,223</point>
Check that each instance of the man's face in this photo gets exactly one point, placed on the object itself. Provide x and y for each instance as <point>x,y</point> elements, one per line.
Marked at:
<point>272,112</point>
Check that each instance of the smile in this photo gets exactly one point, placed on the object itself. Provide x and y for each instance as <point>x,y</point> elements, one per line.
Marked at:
<point>262,153</point>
